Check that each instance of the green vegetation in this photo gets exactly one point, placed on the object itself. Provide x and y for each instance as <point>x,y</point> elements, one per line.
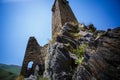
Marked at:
<point>74,23</point>
<point>5,75</point>
<point>80,53</point>
<point>75,34</point>
<point>11,68</point>
<point>9,72</point>
<point>79,61</point>
<point>79,27</point>
<point>67,44</point>
<point>54,37</point>
<point>41,78</point>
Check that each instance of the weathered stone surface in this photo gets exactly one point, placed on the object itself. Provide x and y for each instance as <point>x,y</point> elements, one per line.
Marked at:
<point>70,28</point>
<point>91,28</point>
<point>62,62</point>
<point>61,13</point>
<point>31,77</point>
<point>104,64</point>
<point>33,53</point>
<point>101,58</point>
<point>66,39</point>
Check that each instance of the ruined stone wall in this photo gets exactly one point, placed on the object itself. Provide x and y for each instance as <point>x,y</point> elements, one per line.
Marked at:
<point>33,53</point>
<point>44,51</point>
<point>61,13</point>
<point>56,20</point>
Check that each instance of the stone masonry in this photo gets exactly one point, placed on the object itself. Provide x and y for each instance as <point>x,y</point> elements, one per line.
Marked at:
<point>33,53</point>
<point>61,13</point>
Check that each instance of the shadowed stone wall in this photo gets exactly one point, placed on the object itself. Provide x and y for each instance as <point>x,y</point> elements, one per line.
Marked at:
<point>61,13</point>
<point>33,53</point>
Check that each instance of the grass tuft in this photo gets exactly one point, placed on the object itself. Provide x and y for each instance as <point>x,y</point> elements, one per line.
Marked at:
<point>80,53</point>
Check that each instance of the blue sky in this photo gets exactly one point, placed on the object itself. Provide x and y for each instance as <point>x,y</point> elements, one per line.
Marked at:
<point>20,19</point>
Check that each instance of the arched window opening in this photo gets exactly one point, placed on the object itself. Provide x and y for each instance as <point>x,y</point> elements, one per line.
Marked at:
<point>30,64</point>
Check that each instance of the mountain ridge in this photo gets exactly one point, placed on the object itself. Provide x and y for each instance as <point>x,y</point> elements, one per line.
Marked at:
<point>10,68</point>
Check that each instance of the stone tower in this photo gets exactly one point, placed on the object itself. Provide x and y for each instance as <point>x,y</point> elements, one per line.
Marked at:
<point>33,54</point>
<point>61,13</point>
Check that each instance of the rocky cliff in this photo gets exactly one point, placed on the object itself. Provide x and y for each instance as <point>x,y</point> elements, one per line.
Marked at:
<point>76,51</point>
<point>81,52</point>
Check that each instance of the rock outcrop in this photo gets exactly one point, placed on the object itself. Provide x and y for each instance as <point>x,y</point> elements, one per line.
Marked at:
<point>101,57</point>
<point>61,62</point>
<point>104,63</point>
<point>76,52</point>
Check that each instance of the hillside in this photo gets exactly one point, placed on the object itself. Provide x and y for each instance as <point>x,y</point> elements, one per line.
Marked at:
<point>9,72</point>
<point>11,68</point>
<point>5,75</point>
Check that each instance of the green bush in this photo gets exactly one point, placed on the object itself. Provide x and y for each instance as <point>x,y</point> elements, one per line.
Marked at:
<point>79,60</point>
<point>80,53</point>
<point>75,34</point>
